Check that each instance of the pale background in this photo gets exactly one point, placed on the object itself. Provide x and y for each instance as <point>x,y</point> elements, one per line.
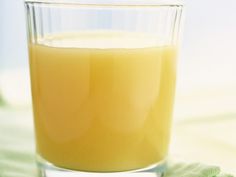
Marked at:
<point>205,111</point>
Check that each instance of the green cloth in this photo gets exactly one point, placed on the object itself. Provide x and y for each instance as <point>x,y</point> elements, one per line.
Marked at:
<point>194,170</point>
<point>17,151</point>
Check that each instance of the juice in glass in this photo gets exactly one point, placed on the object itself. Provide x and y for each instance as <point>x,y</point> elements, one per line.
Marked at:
<point>100,104</point>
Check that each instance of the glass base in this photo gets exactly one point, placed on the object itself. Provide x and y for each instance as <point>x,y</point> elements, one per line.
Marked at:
<point>46,169</point>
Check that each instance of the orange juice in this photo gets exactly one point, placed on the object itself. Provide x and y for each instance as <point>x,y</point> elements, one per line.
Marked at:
<point>99,104</point>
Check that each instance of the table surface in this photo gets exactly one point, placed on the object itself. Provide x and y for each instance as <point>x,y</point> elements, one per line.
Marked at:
<point>207,140</point>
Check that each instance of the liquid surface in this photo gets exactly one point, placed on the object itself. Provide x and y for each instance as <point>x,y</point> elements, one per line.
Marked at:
<point>102,108</point>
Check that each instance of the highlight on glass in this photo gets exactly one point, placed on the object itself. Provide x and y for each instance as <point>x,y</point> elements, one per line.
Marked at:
<point>103,79</point>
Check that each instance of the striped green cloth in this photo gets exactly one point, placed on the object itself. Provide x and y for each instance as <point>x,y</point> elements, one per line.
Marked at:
<point>17,151</point>
<point>194,170</point>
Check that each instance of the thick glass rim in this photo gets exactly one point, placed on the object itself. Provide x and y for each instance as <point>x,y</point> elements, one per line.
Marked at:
<point>112,3</point>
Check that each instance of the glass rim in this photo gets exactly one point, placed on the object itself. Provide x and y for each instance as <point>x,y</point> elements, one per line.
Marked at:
<point>112,3</point>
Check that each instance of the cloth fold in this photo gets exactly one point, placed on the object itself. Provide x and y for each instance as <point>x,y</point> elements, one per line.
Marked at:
<point>182,169</point>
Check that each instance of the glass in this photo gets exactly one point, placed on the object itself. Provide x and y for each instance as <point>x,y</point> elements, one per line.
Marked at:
<point>103,80</point>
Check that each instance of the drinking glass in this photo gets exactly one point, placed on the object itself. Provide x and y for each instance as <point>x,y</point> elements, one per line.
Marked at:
<point>103,81</point>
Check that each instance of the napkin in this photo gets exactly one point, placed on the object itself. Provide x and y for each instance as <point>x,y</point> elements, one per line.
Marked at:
<point>183,169</point>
